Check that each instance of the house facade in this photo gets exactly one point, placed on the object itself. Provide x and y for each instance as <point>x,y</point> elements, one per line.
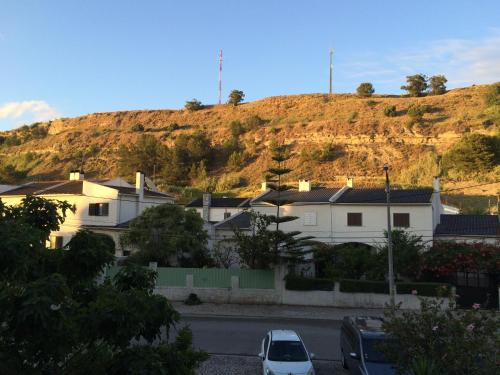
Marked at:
<point>103,206</point>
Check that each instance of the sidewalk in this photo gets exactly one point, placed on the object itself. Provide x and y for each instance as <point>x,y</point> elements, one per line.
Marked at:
<point>272,311</point>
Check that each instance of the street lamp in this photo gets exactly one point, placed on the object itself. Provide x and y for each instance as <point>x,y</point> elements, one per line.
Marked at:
<point>392,289</point>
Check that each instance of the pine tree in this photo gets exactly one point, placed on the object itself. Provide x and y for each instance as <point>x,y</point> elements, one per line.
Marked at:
<point>288,245</point>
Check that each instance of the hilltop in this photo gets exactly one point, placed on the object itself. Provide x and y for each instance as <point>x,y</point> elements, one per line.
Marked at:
<point>332,136</point>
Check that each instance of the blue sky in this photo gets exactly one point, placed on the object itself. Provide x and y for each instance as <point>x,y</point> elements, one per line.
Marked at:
<point>70,58</point>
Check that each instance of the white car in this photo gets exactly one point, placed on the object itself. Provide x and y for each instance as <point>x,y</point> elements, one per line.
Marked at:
<point>283,353</point>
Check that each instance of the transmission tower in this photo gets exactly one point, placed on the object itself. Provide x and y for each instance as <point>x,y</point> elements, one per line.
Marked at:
<point>220,77</point>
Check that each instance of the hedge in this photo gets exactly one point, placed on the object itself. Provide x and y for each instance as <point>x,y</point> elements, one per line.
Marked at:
<point>307,283</point>
<point>363,286</point>
<point>423,289</point>
<point>381,287</point>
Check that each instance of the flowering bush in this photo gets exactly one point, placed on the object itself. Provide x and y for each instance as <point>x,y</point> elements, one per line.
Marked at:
<point>451,342</point>
<point>446,258</point>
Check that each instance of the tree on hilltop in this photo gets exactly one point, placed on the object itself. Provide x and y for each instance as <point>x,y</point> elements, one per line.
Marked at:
<point>365,90</point>
<point>236,97</point>
<point>437,84</point>
<point>416,85</point>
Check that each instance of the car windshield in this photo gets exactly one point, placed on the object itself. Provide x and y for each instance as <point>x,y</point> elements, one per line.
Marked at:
<point>372,350</point>
<point>287,351</point>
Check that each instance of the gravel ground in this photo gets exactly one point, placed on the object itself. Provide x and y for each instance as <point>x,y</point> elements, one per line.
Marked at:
<point>251,365</point>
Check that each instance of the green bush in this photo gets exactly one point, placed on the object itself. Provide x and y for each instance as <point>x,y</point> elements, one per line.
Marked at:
<point>365,89</point>
<point>423,289</point>
<point>363,286</point>
<point>307,283</point>
<point>138,128</point>
<point>193,105</point>
<point>254,122</point>
<point>390,111</point>
<point>417,111</point>
<point>492,95</point>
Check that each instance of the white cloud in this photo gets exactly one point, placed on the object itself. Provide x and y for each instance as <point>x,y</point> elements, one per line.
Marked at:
<point>462,61</point>
<point>29,110</point>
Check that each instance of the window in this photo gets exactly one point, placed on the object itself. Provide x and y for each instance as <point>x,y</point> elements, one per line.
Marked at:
<point>401,220</point>
<point>227,215</point>
<point>56,242</point>
<point>310,218</point>
<point>354,219</point>
<point>98,209</point>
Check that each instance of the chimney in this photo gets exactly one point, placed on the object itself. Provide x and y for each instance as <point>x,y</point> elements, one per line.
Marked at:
<point>349,182</point>
<point>139,185</point>
<point>78,175</point>
<point>304,185</point>
<point>71,175</point>
<point>436,184</point>
<point>263,186</point>
<point>207,202</point>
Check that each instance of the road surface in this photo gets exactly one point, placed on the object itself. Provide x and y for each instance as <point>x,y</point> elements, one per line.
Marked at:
<point>243,335</point>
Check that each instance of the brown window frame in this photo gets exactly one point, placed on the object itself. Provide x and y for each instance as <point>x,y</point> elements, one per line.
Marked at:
<point>399,215</point>
<point>351,222</point>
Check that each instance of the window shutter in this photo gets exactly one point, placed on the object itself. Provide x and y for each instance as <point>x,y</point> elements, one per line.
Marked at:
<point>354,219</point>
<point>104,209</point>
<point>401,220</point>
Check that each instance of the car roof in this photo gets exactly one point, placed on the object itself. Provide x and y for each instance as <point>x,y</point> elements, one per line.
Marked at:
<point>284,335</point>
<point>368,325</point>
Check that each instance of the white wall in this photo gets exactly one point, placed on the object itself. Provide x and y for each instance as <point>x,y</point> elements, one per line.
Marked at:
<point>374,222</point>
<point>470,239</point>
<point>217,213</point>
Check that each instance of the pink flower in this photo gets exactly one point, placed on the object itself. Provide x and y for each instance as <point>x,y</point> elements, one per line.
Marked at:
<point>414,292</point>
<point>476,306</point>
<point>471,327</point>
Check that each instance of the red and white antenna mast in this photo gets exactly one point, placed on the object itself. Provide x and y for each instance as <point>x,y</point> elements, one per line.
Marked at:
<point>220,77</point>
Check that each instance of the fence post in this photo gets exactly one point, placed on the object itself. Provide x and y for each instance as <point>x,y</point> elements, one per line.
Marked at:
<point>189,281</point>
<point>235,282</point>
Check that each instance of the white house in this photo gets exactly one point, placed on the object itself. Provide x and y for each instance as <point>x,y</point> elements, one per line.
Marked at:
<point>349,214</point>
<point>103,206</point>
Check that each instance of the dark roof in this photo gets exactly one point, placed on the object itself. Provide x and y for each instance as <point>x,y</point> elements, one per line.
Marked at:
<point>241,220</point>
<point>70,187</point>
<point>51,187</point>
<point>378,196</point>
<point>468,225</point>
<point>221,202</point>
<point>316,195</point>
<point>131,191</point>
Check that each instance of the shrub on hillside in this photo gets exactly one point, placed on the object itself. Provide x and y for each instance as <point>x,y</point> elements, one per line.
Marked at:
<point>365,90</point>
<point>236,128</point>
<point>417,111</point>
<point>253,122</point>
<point>390,111</point>
<point>193,105</point>
<point>352,117</point>
<point>420,172</point>
<point>473,154</point>
<point>237,160</point>
<point>137,128</point>
<point>492,95</point>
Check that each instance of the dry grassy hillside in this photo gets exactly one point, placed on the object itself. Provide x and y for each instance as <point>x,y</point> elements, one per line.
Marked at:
<point>362,136</point>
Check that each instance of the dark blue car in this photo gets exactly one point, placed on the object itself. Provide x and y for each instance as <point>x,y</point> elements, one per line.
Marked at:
<point>360,340</point>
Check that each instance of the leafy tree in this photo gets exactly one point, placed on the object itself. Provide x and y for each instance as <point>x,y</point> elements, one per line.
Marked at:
<point>57,319</point>
<point>473,154</point>
<point>437,84</point>
<point>492,95</point>
<point>193,105</point>
<point>416,85</point>
<point>348,261</point>
<point>365,90</point>
<point>236,97</point>
<point>452,342</point>
<point>146,155</point>
<point>257,249</point>
<point>390,111</point>
<point>169,235</point>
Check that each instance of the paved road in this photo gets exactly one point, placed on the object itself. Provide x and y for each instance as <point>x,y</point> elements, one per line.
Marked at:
<point>243,335</point>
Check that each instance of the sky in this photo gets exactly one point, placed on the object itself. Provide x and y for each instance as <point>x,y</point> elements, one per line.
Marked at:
<point>66,58</point>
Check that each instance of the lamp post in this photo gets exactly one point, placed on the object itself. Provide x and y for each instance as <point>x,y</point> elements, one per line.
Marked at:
<point>392,290</point>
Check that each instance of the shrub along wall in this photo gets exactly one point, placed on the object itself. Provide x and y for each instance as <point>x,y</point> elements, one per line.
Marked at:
<point>381,287</point>
<point>307,283</point>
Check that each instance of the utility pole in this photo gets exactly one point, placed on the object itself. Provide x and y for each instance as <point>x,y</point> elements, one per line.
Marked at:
<point>392,289</point>
<point>220,77</point>
<point>331,67</point>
